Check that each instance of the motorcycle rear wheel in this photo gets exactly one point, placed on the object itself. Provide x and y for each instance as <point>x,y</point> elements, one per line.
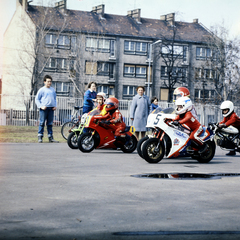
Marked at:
<point>72,140</point>
<point>131,146</point>
<point>86,142</point>
<point>140,145</point>
<point>207,156</point>
<point>149,150</point>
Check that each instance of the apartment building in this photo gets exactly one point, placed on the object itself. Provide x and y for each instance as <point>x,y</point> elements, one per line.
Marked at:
<point>118,52</point>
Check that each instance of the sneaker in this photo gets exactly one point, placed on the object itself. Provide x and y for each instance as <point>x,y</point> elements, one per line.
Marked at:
<point>40,139</point>
<point>52,140</point>
<point>231,153</point>
<point>202,149</point>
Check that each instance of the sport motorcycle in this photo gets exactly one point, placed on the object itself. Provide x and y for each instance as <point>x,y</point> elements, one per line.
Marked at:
<point>226,138</point>
<point>173,141</point>
<point>100,136</point>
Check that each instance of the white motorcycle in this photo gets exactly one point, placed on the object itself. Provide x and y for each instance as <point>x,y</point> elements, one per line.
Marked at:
<point>173,141</point>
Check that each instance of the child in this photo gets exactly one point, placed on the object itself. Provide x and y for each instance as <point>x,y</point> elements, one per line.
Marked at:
<point>229,118</point>
<point>184,92</point>
<point>185,117</point>
<point>101,97</point>
<point>154,103</point>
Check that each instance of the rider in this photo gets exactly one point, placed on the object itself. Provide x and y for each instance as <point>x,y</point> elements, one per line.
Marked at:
<point>114,118</point>
<point>101,97</point>
<point>185,117</point>
<point>229,118</point>
<point>184,92</point>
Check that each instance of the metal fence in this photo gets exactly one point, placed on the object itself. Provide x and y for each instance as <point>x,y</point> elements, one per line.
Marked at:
<point>22,110</point>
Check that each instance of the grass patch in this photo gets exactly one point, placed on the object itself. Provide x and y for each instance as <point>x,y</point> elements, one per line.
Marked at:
<point>27,134</point>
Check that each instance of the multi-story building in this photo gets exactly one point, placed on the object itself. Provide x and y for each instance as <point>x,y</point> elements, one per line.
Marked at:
<point>118,52</point>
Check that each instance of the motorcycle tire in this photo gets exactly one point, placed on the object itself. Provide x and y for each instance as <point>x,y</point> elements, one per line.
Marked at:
<point>66,128</point>
<point>72,140</point>
<point>140,145</point>
<point>149,153</point>
<point>207,156</point>
<point>131,146</point>
<point>86,142</point>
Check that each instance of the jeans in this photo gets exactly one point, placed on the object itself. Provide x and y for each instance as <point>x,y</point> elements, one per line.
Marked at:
<point>46,115</point>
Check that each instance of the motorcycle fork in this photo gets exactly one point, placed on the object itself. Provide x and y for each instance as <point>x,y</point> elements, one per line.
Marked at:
<point>160,136</point>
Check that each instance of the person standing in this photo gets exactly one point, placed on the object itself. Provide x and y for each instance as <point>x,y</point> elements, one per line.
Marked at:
<point>89,97</point>
<point>139,112</point>
<point>47,104</point>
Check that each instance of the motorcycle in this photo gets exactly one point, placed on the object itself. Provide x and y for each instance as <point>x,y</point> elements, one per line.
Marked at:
<point>100,136</point>
<point>226,138</point>
<point>72,139</point>
<point>173,141</point>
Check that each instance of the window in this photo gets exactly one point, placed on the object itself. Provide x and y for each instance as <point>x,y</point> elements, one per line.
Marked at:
<point>91,68</point>
<point>109,90</point>
<point>204,94</point>
<point>176,72</point>
<point>103,68</point>
<point>63,88</point>
<point>203,53</point>
<point>101,45</point>
<point>73,44</point>
<point>128,91</point>
<point>139,48</point>
<point>135,71</point>
<point>64,42</point>
<point>61,41</point>
<point>57,64</point>
<point>163,94</point>
<point>205,73</point>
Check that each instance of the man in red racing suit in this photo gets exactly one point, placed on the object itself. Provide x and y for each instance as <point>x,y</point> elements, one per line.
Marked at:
<point>229,118</point>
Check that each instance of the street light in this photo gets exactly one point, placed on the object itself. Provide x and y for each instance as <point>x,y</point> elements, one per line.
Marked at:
<point>149,63</point>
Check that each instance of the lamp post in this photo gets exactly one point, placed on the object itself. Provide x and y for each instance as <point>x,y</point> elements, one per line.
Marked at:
<point>149,63</point>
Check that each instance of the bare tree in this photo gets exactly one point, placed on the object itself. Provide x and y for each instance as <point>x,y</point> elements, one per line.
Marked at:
<point>174,57</point>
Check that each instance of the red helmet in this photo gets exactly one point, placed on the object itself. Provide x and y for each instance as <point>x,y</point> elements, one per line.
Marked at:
<point>180,92</point>
<point>113,102</point>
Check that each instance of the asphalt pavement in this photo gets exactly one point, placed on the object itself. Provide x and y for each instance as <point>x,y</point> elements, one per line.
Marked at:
<point>49,191</point>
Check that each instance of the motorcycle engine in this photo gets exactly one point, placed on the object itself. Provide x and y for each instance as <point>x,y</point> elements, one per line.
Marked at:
<point>225,143</point>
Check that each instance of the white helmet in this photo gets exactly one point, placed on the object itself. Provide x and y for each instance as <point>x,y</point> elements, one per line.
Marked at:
<point>186,104</point>
<point>227,105</point>
<point>103,95</point>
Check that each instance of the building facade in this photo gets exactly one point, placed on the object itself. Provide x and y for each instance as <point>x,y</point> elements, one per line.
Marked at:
<point>118,52</point>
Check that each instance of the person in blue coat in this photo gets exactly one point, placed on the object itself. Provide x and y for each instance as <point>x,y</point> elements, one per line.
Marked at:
<point>89,97</point>
<point>139,112</point>
<point>154,103</point>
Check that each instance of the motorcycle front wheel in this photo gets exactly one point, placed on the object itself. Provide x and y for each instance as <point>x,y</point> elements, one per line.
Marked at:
<point>131,146</point>
<point>140,145</point>
<point>86,142</point>
<point>208,155</point>
<point>72,140</point>
<point>153,150</point>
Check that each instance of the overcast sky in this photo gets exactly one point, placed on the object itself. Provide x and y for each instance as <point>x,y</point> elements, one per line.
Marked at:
<point>209,12</point>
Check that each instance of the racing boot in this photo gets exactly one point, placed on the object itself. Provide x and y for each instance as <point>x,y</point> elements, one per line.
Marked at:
<point>51,140</point>
<point>127,138</point>
<point>231,153</point>
<point>40,138</point>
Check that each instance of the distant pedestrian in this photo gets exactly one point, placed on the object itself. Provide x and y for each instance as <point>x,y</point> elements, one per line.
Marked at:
<point>89,97</point>
<point>139,112</point>
<point>47,104</point>
<point>154,103</point>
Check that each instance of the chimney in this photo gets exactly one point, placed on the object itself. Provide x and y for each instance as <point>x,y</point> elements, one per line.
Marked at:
<point>195,20</point>
<point>61,5</point>
<point>170,18</point>
<point>135,14</point>
<point>99,10</point>
<point>163,17</point>
<point>23,3</point>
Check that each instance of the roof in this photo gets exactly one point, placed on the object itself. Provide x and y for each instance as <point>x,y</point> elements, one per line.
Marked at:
<point>91,22</point>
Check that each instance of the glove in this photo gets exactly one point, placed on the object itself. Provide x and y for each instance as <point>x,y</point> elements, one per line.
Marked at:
<point>222,125</point>
<point>175,122</point>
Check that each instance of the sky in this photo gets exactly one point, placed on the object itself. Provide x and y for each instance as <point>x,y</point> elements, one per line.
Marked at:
<point>208,12</point>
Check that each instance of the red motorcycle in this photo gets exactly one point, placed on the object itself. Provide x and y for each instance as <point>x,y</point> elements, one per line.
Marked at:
<point>99,135</point>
